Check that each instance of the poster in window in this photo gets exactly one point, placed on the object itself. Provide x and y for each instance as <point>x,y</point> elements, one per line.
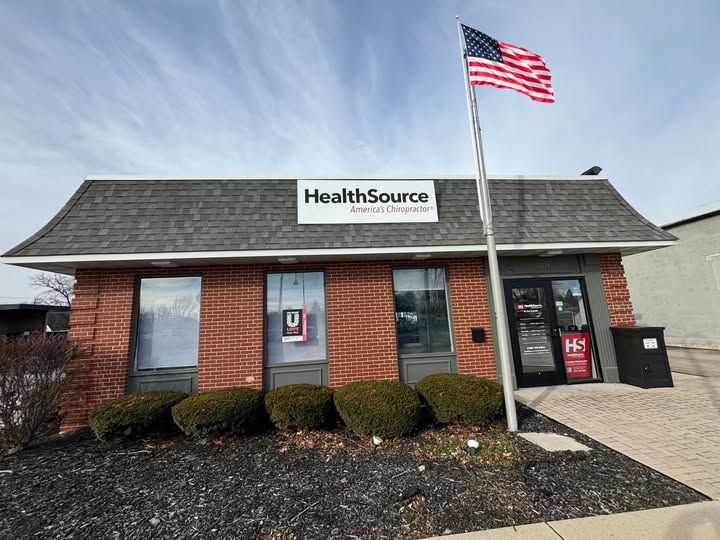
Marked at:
<point>576,354</point>
<point>294,325</point>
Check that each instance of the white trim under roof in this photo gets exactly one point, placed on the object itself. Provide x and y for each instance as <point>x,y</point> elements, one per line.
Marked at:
<point>564,246</point>
<point>248,254</point>
<point>115,178</point>
<point>307,254</point>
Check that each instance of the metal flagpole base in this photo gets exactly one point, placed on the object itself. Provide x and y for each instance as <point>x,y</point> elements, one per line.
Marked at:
<point>501,328</point>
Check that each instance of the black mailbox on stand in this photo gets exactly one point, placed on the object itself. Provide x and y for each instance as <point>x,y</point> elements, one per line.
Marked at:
<point>641,356</point>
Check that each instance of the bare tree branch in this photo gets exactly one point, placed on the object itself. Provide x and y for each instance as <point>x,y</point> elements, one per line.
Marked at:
<point>56,288</point>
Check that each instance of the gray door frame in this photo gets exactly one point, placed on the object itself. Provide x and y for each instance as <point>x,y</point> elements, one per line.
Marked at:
<point>586,266</point>
<point>559,377</point>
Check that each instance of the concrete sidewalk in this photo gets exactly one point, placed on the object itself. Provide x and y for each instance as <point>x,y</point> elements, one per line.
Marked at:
<point>699,521</point>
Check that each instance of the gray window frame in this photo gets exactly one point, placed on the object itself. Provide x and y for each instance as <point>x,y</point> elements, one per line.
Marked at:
<point>134,370</point>
<point>266,364</point>
<point>448,302</point>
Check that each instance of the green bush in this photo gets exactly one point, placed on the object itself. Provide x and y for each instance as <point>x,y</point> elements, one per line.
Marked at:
<point>301,406</point>
<point>134,414</point>
<point>452,397</point>
<point>217,412</point>
<point>387,409</point>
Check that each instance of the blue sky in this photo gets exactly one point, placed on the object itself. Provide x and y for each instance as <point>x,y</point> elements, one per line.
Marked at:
<point>373,87</point>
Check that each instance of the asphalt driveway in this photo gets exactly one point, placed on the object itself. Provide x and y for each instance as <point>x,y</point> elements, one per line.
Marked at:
<point>673,430</point>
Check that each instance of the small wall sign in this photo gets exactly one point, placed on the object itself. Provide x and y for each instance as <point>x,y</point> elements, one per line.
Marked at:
<point>366,201</point>
<point>650,343</point>
<point>576,354</point>
<point>294,325</point>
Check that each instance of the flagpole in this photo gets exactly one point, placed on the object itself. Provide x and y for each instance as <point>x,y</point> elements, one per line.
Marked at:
<point>498,297</point>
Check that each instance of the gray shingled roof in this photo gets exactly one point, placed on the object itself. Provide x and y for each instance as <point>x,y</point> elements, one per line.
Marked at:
<point>156,216</point>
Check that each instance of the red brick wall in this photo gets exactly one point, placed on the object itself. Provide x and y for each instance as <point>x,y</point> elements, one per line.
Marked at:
<point>359,295</point>
<point>361,323</point>
<point>231,323</point>
<point>469,304</point>
<point>616,291</point>
<point>231,327</point>
<point>100,320</point>
<point>363,295</point>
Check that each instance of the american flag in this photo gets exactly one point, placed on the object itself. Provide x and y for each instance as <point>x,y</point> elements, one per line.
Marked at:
<point>506,66</point>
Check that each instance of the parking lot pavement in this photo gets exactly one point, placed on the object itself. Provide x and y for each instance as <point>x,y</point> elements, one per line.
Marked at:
<point>673,430</point>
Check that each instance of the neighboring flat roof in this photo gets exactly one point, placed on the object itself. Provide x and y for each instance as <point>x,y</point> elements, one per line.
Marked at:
<point>691,219</point>
<point>141,219</point>
<point>32,307</point>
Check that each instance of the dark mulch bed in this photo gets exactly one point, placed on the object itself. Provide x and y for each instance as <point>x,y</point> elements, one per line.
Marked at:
<point>316,485</point>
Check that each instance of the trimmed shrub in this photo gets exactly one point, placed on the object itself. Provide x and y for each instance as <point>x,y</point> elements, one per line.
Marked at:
<point>218,412</point>
<point>384,408</point>
<point>301,406</point>
<point>134,414</point>
<point>452,397</point>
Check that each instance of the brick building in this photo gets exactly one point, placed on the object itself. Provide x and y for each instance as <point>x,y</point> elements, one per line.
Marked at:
<point>204,283</point>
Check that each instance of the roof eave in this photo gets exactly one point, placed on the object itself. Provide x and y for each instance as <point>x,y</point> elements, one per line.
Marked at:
<point>691,219</point>
<point>67,264</point>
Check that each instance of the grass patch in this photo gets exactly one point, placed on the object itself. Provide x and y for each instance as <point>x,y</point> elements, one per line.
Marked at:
<point>497,447</point>
<point>432,443</point>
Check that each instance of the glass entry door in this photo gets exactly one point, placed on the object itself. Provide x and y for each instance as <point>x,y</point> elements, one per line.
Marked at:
<point>550,331</point>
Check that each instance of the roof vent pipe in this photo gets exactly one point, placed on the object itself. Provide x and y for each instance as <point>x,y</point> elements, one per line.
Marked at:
<point>592,171</point>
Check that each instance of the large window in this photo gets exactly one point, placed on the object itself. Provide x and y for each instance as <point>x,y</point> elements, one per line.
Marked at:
<point>421,310</point>
<point>168,325</point>
<point>295,317</point>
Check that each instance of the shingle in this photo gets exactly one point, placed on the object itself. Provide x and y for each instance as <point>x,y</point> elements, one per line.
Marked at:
<point>155,216</point>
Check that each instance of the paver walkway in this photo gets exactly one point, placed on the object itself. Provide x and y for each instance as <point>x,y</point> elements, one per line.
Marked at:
<point>673,430</point>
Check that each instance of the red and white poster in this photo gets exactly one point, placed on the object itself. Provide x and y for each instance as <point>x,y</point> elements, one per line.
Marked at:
<point>294,325</point>
<point>576,353</point>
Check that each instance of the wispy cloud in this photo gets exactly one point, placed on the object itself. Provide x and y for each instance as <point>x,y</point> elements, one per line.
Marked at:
<point>323,87</point>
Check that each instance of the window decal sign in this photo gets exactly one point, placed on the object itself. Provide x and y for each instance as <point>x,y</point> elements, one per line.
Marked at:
<point>366,201</point>
<point>294,325</point>
<point>576,353</point>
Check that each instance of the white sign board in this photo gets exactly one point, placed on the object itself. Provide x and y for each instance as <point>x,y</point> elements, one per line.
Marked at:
<point>366,201</point>
<point>650,343</point>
